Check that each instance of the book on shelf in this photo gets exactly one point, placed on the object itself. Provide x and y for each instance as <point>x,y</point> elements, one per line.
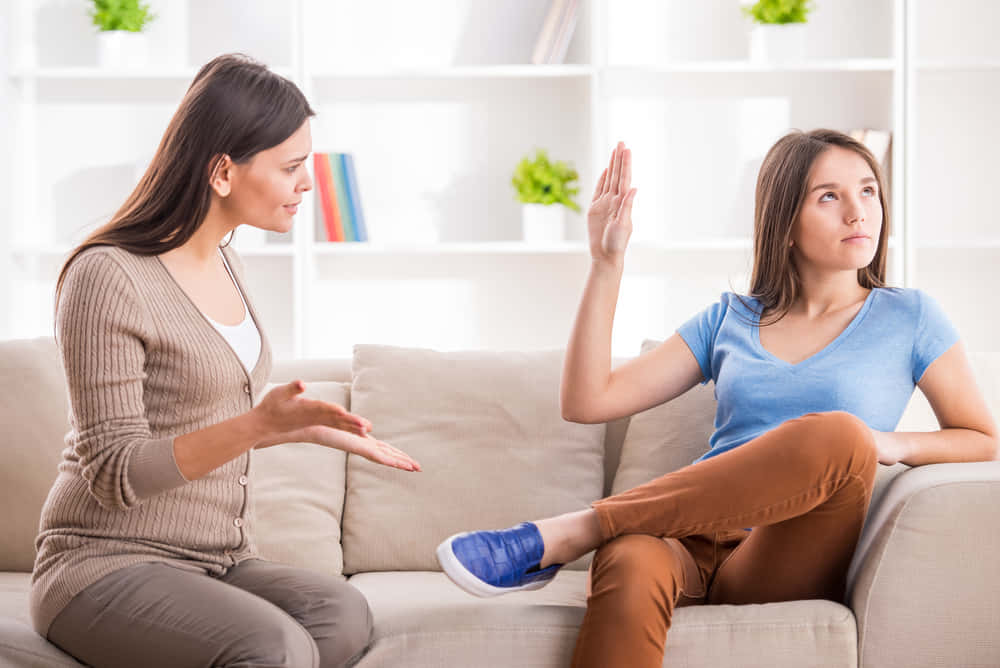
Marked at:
<point>879,142</point>
<point>338,204</point>
<point>556,33</point>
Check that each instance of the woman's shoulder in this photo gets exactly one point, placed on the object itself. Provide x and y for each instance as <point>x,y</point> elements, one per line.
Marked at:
<point>902,300</point>
<point>108,257</point>
<point>744,305</point>
<point>110,266</point>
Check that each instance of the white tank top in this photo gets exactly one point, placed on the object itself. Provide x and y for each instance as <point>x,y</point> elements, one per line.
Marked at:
<point>244,337</point>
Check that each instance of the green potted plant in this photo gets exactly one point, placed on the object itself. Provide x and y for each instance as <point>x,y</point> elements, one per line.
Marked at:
<point>779,29</point>
<point>120,41</point>
<point>544,189</point>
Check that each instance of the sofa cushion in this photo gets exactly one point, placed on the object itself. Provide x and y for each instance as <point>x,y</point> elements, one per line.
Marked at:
<point>666,437</point>
<point>487,431</point>
<point>21,647</point>
<point>423,620</point>
<point>34,421</point>
<point>298,492</point>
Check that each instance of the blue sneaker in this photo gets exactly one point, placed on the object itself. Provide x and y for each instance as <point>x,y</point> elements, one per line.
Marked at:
<point>490,563</point>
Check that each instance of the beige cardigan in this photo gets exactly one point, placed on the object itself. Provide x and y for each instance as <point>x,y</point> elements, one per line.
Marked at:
<point>143,365</point>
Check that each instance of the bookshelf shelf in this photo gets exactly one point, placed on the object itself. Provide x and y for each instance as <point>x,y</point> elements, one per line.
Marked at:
<point>745,66</point>
<point>960,245</point>
<point>185,74</point>
<point>462,72</point>
<point>958,65</point>
<point>516,248</point>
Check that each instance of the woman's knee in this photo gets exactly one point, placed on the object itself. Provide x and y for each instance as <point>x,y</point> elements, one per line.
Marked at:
<point>349,614</point>
<point>636,570</point>
<point>840,432</point>
<point>284,642</point>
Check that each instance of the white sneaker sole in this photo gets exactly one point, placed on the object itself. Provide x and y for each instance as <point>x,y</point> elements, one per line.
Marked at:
<point>466,580</point>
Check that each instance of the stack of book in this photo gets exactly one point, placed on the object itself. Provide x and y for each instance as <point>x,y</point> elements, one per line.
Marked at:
<point>338,203</point>
<point>556,33</point>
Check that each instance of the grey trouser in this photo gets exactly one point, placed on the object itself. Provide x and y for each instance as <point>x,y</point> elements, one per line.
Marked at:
<point>258,614</point>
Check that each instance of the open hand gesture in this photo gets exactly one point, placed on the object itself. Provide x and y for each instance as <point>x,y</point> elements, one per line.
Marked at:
<point>284,416</point>
<point>609,219</point>
<point>283,409</point>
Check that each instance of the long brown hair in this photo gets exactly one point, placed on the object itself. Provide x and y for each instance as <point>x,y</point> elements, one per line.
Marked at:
<point>782,186</point>
<point>235,107</point>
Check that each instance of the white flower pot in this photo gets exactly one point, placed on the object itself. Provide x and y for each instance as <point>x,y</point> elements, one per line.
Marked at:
<point>779,43</point>
<point>122,49</point>
<point>543,223</point>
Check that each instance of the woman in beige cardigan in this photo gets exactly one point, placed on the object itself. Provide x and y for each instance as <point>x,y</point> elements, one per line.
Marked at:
<point>146,553</point>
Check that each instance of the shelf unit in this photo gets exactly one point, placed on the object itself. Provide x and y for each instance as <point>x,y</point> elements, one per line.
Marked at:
<point>438,117</point>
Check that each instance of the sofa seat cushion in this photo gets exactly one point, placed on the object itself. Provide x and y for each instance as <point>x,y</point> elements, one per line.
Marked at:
<point>20,646</point>
<point>487,431</point>
<point>422,619</point>
<point>14,590</point>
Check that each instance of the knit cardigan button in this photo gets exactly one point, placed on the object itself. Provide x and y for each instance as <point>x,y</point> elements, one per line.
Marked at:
<point>238,522</point>
<point>246,388</point>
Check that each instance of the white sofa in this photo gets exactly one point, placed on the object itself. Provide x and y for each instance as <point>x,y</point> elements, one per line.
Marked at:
<point>925,585</point>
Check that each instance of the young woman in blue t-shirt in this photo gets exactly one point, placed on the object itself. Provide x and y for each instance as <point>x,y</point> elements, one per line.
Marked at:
<point>812,372</point>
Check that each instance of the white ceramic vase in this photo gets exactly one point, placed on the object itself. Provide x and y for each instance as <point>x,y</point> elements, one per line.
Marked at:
<point>778,43</point>
<point>543,223</point>
<point>122,49</point>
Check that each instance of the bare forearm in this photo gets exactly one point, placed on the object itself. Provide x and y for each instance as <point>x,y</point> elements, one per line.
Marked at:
<point>944,446</point>
<point>587,367</point>
<point>201,452</point>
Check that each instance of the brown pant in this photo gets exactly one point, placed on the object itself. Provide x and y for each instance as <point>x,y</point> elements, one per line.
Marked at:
<point>259,614</point>
<point>678,540</point>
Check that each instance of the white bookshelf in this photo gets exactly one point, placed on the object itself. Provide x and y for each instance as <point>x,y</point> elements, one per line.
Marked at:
<point>438,117</point>
<point>954,96</point>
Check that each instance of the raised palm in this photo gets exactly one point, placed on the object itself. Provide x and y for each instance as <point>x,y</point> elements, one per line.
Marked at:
<point>609,219</point>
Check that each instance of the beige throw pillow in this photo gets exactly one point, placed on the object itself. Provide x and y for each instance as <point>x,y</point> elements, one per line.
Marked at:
<point>485,427</point>
<point>666,437</point>
<point>298,491</point>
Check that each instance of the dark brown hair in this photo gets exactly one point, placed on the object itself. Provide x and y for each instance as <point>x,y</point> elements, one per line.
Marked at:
<point>782,186</point>
<point>235,107</point>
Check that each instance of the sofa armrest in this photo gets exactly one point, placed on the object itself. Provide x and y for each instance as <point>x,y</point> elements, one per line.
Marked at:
<point>924,584</point>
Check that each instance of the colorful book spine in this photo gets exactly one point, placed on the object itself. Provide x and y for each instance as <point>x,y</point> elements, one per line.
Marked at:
<point>327,206</point>
<point>354,198</point>
<point>337,169</point>
<point>338,202</point>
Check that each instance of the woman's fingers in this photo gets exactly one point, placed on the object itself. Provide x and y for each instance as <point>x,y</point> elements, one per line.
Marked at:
<point>599,190</point>
<point>625,208</point>
<point>608,183</point>
<point>387,454</point>
<point>626,171</point>
<point>616,169</point>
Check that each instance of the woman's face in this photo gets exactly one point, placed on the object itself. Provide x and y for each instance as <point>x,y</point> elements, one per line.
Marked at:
<point>266,190</point>
<point>841,218</point>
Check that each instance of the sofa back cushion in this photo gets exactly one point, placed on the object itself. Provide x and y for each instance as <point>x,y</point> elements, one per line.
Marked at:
<point>666,437</point>
<point>487,431</point>
<point>298,494</point>
<point>34,420</point>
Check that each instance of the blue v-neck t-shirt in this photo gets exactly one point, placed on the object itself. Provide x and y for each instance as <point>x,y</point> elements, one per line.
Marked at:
<point>869,370</point>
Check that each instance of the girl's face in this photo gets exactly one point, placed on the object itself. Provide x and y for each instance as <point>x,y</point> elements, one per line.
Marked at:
<point>266,190</point>
<point>840,222</point>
